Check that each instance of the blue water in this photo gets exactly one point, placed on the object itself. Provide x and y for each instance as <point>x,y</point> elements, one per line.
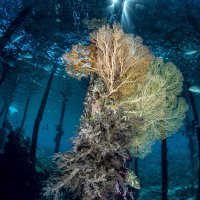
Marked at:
<point>171,30</point>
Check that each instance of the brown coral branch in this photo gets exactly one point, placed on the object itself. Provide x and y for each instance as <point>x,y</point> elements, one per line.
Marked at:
<point>119,59</point>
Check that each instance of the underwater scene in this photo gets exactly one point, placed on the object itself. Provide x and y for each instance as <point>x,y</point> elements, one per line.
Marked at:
<point>99,99</point>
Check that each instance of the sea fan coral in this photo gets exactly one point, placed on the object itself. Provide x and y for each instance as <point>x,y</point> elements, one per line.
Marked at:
<point>121,115</point>
<point>121,60</point>
<point>160,90</point>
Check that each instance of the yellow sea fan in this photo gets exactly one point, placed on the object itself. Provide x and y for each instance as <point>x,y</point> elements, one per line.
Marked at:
<point>156,101</point>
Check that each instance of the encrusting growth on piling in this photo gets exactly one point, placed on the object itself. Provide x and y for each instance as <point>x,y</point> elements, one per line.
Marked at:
<point>121,118</point>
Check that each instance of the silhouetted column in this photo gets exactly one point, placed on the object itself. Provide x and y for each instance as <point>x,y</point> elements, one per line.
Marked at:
<point>39,117</point>
<point>189,133</point>
<point>196,126</point>
<point>136,173</point>
<point>25,112</point>
<point>60,127</point>
<point>3,109</point>
<point>5,122</point>
<point>192,151</point>
<point>164,170</point>
<point>5,39</point>
<point>3,130</point>
<point>198,139</point>
<point>4,72</point>
<point>14,26</point>
<point>65,93</point>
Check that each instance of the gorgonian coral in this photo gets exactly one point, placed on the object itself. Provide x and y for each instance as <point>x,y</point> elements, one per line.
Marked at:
<point>157,103</point>
<point>133,100</point>
<point>121,60</point>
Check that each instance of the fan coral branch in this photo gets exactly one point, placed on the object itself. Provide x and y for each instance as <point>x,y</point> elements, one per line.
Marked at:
<point>160,90</point>
<point>120,59</point>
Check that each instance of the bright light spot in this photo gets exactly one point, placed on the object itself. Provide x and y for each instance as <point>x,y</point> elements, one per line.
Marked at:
<point>125,7</point>
<point>13,109</point>
<point>115,1</point>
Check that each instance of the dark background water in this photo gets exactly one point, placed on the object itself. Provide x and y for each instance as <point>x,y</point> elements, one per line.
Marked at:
<point>171,29</point>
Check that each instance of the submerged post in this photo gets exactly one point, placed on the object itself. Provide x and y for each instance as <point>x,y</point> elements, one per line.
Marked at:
<point>198,139</point>
<point>5,39</point>
<point>14,26</point>
<point>164,170</point>
<point>60,127</point>
<point>25,112</point>
<point>5,120</point>
<point>196,126</point>
<point>137,174</point>
<point>3,109</point>
<point>39,118</point>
